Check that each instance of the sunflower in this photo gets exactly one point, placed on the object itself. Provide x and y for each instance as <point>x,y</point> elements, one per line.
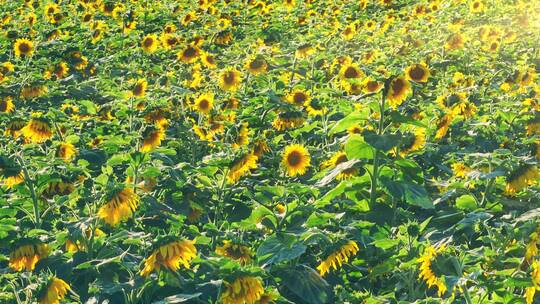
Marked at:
<point>188,18</point>
<point>427,274</point>
<point>66,151</point>
<point>314,108</point>
<point>224,38</point>
<point>52,10</point>
<point>236,252</point>
<point>349,32</point>
<point>288,120</point>
<point>244,289</point>
<point>204,103</point>
<point>350,71</point>
<point>241,166</point>
<point>465,108</point>
<point>190,54</point>
<point>171,256</point>
<point>371,86</point>
<point>6,69</point>
<point>6,105</point>
<point>521,178</point>
<point>152,139</point>
<point>295,159</point>
<point>460,170</point>
<point>230,79</point>
<point>26,256</point>
<point>304,51</point>
<point>57,187</point>
<point>260,147</point>
<point>120,206</point>
<point>299,97</point>
<point>398,91</point>
<point>455,41</point>
<point>477,6</point>
<point>139,89</point>
<point>54,292</point>
<point>535,278</point>
<point>336,159</point>
<point>61,70</point>
<point>37,130</point>
<point>242,137</point>
<point>23,47</point>
<point>417,72</point>
<point>208,61</point>
<point>13,128</point>
<point>32,91</point>
<point>416,142</point>
<point>150,43</point>
<point>337,258</point>
<point>256,66</point>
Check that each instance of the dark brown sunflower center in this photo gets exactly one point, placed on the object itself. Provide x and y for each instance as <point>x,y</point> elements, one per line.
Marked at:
<point>294,158</point>
<point>372,86</point>
<point>351,72</point>
<point>148,42</point>
<point>256,64</point>
<point>398,85</point>
<point>204,104</point>
<point>299,98</point>
<point>341,159</point>
<point>417,73</point>
<point>190,52</point>
<point>138,89</point>
<point>24,47</point>
<point>3,105</point>
<point>229,78</point>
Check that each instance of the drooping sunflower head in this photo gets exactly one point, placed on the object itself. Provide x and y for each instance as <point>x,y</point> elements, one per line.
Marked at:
<point>427,273</point>
<point>58,186</point>
<point>204,103</point>
<point>14,127</point>
<point>304,51</point>
<point>37,130</point>
<point>26,254</point>
<point>150,43</point>
<point>338,257</point>
<point>417,72</point>
<point>6,104</point>
<point>288,120</point>
<point>169,253</point>
<point>256,66</point>
<point>295,160</point>
<point>339,158</point>
<point>190,54</point>
<point>299,97</point>
<point>23,47</point>
<point>235,251</point>
<point>398,90</point>
<point>120,205</point>
<point>209,61</point>
<point>243,289</point>
<point>241,138</point>
<point>414,142</point>
<point>139,89</point>
<point>520,178</point>
<point>53,291</point>
<point>230,79</point>
<point>152,138</point>
<point>66,151</point>
<point>241,166</point>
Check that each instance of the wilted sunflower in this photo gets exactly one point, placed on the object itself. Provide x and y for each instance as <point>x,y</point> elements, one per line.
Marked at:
<point>27,254</point>
<point>57,187</point>
<point>190,54</point>
<point>337,258</point>
<point>244,289</point>
<point>336,159</point>
<point>204,103</point>
<point>299,97</point>
<point>150,43</point>
<point>236,252</point>
<point>256,66</point>
<point>443,124</point>
<point>66,151</point>
<point>120,206</point>
<point>152,139</point>
<point>242,166</point>
<point>417,72</point>
<point>139,89</point>
<point>295,159</point>
<point>521,178</point>
<point>54,292</point>
<point>37,130</point>
<point>6,105</point>
<point>242,136</point>
<point>13,128</point>
<point>171,256</point>
<point>288,120</point>
<point>230,79</point>
<point>23,47</point>
<point>398,91</point>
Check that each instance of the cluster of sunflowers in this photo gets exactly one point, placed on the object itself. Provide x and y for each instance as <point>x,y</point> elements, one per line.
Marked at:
<point>258,151</point>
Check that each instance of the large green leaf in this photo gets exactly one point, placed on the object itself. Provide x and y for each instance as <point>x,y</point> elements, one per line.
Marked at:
<point>306,284</point>
<point>280,248</point>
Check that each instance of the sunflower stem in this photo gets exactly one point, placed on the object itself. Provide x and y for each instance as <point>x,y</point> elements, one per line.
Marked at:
<point>375,174</point>
<point>30,184</point>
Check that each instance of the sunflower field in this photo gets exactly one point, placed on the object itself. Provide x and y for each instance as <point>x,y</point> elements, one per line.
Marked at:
<point>261,151</point>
